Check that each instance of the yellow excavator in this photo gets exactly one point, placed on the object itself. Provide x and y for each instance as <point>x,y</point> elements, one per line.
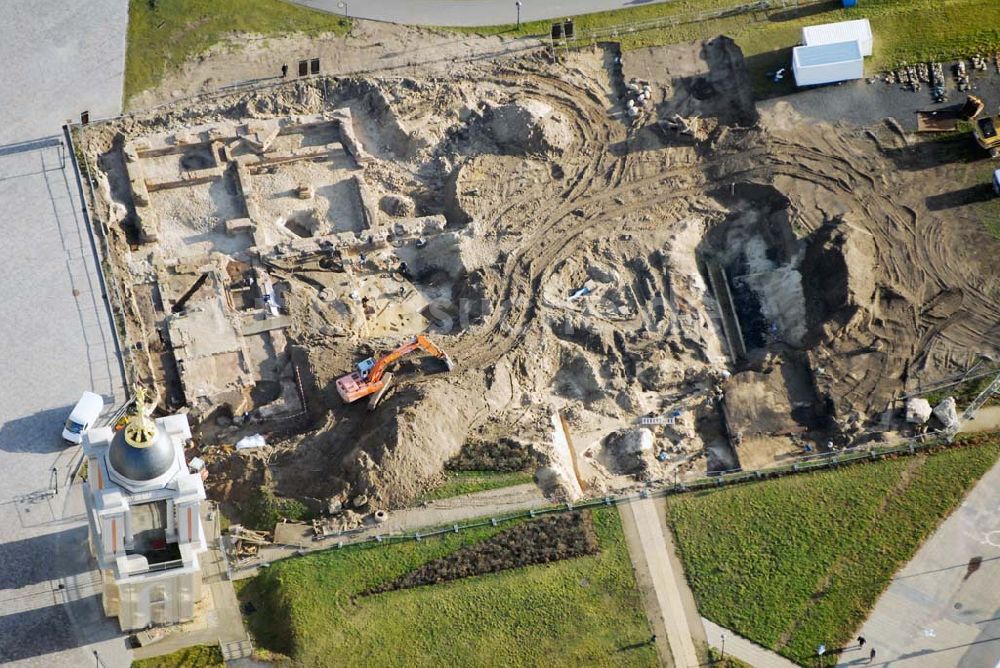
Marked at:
<point>986,129</point>
<point>371,377</point>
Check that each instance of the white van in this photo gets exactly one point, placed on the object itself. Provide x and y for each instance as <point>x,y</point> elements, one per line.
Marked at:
<point>84,414</point>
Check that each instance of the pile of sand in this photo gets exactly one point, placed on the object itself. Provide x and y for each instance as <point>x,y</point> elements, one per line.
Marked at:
<point>529,126</point>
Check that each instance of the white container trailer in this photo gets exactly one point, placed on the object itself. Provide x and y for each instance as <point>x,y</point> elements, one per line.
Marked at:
<point>827,63</point>
<point>843,31</point>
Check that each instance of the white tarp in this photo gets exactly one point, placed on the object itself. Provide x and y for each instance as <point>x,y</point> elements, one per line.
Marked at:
<point>947,413</point>
<point>918,410</point>
<point>251,442</point>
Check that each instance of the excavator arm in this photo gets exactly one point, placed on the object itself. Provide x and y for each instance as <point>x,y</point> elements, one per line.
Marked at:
<point>385,362</point>
<point>354,385</point>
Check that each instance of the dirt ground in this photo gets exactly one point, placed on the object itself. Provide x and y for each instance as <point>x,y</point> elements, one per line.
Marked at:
<point>612,249</point>
<point>370,47</point>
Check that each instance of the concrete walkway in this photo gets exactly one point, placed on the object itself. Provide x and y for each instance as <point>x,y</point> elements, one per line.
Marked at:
<point>650,557</point>
<point>59,59</point>
<point>466,12</point>
<point>743,649</point>
<point>943,608</point>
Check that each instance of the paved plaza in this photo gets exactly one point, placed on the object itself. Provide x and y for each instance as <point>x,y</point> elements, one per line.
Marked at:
<point>59,59</point>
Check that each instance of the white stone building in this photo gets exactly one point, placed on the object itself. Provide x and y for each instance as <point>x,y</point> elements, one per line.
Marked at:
<point>143,507</point>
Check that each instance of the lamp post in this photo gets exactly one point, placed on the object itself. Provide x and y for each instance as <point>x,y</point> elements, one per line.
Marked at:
<point>723,657</point>
<point>343,5</point>
<point>518,5</point>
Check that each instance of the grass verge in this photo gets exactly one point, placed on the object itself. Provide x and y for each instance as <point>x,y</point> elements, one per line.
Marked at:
<point>583,611</point>
<point>457,483</point>
<point>965,393</point>
<point>199,656</point>
<point>799,561</point>
<point>163,34</point>
<point>904,30</point>
<point>265,510</point>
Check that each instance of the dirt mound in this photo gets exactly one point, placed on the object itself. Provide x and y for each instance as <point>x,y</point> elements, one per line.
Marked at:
<point>840,287</point>
<point>422,429</point>
<point>630,451</point>
<point>529,127</point>
<point>397,205</point>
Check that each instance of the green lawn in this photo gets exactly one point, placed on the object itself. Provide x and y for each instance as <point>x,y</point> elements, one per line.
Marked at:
<point>574,612</point>
<point>904,30</point>
<point>798,561</point>
<point>467,482</point>
<point>163,34</point>
<point>264,510</point>
<point>965,393</point>
<point>199,656</point>
<point>987,211</point>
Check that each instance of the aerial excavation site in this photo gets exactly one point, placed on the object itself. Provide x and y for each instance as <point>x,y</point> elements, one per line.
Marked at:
<point>614,264</point>
<point>427,333</point>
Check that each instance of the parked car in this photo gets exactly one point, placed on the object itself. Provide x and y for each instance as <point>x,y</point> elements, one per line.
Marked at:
<point>83,416</point>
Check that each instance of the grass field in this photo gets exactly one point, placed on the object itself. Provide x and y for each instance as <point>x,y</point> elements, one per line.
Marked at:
<point>199,656</point>
<point>990,217</point>
<point>583,611</point>
<point>799,561</point>
<point>162,34</point>
<point>904,30</point>
<point>468,482</point>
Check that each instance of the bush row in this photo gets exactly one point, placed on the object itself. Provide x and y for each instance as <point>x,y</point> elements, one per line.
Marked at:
<point>539,541</point>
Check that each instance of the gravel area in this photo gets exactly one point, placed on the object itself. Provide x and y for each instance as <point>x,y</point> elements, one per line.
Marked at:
<point>862,103</point>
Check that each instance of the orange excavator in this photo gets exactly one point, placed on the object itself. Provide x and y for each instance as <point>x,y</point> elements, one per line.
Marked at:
<point>371,378</point>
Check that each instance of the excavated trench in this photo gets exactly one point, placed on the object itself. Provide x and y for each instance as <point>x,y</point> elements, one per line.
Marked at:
<point>751,258</point>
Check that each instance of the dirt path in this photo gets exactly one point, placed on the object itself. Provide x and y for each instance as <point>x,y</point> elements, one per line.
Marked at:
<point>986,419</point>
<point>494,502</point>
<point>657,581</point>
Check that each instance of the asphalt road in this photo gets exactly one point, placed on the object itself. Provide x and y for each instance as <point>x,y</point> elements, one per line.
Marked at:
<point>59,59</point>
<point>466,12</point>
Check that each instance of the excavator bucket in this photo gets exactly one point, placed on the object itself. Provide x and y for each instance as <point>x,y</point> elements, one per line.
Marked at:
<point>377,396</point>
<point>448,362</point>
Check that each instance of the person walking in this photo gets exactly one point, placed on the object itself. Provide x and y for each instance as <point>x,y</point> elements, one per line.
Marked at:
<point>861,641</point>
<point>284,71</point>
<point>871,655</point>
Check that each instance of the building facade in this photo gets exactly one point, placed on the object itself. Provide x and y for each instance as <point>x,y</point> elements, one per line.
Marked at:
<point>144,512</point>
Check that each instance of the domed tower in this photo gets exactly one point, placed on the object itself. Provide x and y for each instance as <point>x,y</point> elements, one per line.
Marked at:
<point>144,507</point>
<point>140,454</point>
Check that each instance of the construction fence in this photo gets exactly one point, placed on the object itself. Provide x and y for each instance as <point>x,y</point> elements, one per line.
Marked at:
<point>928,443</point>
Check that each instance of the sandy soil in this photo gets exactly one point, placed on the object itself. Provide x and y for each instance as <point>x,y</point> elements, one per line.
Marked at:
<point>369,48</point>
<point>572,276</point>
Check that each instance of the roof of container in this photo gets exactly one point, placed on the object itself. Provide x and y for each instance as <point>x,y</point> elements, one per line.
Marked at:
<point>843,31</point>
<point>825,54</point>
